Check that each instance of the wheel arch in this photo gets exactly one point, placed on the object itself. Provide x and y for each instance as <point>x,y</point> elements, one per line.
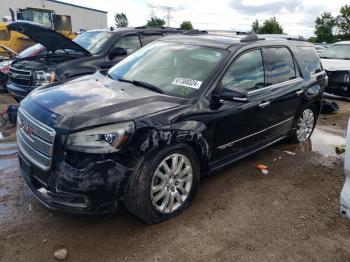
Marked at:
<point>186,132</point>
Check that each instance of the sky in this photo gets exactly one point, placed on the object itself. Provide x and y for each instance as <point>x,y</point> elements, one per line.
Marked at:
<point>297,17</point>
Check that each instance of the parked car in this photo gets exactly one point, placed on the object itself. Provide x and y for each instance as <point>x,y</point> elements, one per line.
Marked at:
<point>336,62</point>
<point>345,193</point>
<point>27,53</point>
<point>320,49</point>
<point>143,133</point>
<point>66,59</point>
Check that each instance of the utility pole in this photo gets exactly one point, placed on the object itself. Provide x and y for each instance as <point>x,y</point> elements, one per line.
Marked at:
<point>167,9</point>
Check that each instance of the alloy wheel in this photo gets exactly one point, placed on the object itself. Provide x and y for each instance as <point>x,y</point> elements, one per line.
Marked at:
<point>305,125</point>
<point>171,183</point>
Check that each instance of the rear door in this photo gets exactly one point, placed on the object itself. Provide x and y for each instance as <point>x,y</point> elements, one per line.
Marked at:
<point>286,88</point>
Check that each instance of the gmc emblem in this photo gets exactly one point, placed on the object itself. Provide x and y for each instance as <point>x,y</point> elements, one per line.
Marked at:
<point>28,130</point>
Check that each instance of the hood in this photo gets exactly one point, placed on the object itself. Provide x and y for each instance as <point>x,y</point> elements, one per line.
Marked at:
<point>95,100</point>
<point>336,64</point>
<point>49,38</point>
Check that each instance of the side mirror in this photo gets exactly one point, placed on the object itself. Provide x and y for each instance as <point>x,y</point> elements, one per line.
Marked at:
<point>234,95</point>
<point>117,51</point>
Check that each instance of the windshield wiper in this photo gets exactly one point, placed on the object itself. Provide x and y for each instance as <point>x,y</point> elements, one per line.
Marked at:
<point>143,84</point>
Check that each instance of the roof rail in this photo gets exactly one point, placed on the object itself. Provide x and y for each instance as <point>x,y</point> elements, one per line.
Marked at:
<point>195,32</point>
<point>160,27</point>
<point>251,38</point>
<point>283,37</point>
<point>299,38</point>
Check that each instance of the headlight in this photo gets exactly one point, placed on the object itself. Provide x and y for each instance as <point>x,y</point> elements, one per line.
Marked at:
<point>42,77</point>
<point>101,140</point>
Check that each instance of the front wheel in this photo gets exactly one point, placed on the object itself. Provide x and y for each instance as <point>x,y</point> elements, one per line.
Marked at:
<point>164,185</point>
<point>305,125</point>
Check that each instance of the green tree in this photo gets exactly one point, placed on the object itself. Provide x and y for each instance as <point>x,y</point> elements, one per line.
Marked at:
<point>121,20</point>
<point>186,25</point>
<point>324,26</point>
<point>270,26</point>
<point>256,27</point>
<point>343,22</point>
<point>155,22</point>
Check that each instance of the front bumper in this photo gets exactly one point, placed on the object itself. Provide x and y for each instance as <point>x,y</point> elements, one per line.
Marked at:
<point>92,190</point>
<point>338,83</point>
<point>345,199</point>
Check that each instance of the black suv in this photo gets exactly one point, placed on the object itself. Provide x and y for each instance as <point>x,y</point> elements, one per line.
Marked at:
<point>145,132</point>
<point>65,59</point>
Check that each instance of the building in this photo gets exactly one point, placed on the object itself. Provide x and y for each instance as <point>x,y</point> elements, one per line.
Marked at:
<point>81,17</point>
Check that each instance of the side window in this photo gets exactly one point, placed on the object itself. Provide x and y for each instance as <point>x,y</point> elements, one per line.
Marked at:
<point>279,65</point>
<point>130,42</point>
<point>148,38</point>
<point>247,72</point>
<point>312,63</point>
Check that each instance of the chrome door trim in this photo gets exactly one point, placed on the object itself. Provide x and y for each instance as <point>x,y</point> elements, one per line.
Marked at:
<point>272,87</point>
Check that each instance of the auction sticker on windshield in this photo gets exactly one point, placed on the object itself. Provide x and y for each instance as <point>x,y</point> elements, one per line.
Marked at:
<point>187,82</point>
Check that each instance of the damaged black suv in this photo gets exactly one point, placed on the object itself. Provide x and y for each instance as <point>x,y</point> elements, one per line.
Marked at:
<point>143,133</point>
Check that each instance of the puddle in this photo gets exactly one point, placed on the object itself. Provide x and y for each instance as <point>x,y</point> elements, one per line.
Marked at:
<point>7,149</point>
<point>324,142</point>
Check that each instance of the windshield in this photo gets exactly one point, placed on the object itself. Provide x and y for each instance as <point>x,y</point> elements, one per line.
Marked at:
<point>93,41</point>
<point>175,69</point>
<point>337,52</point>
<point>30,51</point>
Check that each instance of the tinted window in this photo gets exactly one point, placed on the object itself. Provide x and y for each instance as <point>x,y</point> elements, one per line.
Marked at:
<point>279,65</point>
<point>247,72</point>
<point>312,64</point>
<point>150,38</point>
<point>131,43</point>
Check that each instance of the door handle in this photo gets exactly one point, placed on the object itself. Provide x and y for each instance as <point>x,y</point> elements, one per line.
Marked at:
<point>299,92</point>
<point>264,104</point>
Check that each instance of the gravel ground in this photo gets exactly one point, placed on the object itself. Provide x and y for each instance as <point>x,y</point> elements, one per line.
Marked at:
<point>239,214</point>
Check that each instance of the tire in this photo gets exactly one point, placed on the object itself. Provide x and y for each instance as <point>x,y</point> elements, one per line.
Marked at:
<point>151,175</point>
<point>305,125</point>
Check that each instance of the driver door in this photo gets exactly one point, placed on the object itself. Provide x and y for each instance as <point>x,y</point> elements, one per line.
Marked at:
<point>129,42</point>
<point>241,126</point>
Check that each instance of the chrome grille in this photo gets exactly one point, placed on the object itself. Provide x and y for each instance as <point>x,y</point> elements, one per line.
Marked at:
<point>35,140</point>
<point>20,77</point>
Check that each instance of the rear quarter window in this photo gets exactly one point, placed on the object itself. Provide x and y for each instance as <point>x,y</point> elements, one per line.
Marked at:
<point>310,60</point>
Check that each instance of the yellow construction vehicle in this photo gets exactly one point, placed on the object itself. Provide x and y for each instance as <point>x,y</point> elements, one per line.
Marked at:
<point>18,42</point>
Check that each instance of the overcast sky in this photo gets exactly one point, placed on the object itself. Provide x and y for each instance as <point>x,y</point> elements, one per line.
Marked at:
<point>296,16</point>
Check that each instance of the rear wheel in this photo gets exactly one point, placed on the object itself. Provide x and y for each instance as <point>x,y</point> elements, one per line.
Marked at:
<point>164,185</point>
<point>305,125</point>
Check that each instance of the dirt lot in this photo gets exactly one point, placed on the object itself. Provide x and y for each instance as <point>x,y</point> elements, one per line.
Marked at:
<point>239,214</point>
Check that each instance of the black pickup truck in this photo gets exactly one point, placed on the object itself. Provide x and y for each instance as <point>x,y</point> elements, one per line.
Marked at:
<point>66,59</point>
